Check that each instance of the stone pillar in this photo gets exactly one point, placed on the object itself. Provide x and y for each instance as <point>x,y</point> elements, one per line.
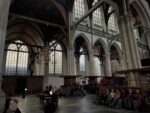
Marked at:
<point>122,62</point>
<point>64,63</point>
<point>71,61</point>
<point>91,63</point>
<point>46,67</point>
<point>133,43</point>
<point>4,10</point>
<point>77,65</point>
<point>148,39</point>
<point>102,69</point>
<point>129,43</point>
<point>108,71</point>
<point>130,48</point>
<point>70,49</point>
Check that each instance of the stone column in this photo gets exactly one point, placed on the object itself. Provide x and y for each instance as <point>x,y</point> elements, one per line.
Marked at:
<point>108,71</point>
<point>102,69</point>
<point>70,49</point>
<point>4,10</point>
<point>129,43</point>
<point>122,62</point>
<point>71,61</point>
<point>46,67</point>
<point>77,65</point>
<point>133,43</point>
<point>130,48</point>
<point>91,63</point>
<point>64,63</point>
<point>148,39</point>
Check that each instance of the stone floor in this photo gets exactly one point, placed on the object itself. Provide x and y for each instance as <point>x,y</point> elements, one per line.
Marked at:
<point>84,104</point>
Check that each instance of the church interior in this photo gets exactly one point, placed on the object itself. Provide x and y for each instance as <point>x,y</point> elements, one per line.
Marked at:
<point>89,49</point>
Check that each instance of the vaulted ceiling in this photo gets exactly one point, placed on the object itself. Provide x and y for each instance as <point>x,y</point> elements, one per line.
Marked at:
<point>54,11</point>
<point>40,9</point>
<point>50,11</point>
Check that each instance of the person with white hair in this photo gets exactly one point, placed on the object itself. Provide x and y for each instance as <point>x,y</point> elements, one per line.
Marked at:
<point>13,107</point>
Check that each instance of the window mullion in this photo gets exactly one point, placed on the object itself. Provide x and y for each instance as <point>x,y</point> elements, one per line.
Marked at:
<point>54,62</point>
<point>17,62</point>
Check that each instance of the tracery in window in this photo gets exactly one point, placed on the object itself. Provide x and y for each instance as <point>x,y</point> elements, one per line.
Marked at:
<point>79,8</point>
<point>112,25</point>
<point>55,59</point>
<point>97,17</point>
<point>16,59</point>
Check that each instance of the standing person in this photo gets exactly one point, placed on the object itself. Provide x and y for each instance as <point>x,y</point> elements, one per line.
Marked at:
<point>6,104</point>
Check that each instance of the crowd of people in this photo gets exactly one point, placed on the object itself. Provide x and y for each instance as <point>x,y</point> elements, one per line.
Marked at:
<point>67,91</point>
<point>120,98</point>
<point>64,91</point>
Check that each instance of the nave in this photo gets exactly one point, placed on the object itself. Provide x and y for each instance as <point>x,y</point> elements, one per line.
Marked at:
<point>31,104</point>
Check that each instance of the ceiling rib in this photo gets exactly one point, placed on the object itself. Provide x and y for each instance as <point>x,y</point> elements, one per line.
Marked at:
<point>37,20</point>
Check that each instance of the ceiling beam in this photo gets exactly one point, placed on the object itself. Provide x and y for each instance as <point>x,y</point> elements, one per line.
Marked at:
<point>61,10</point>
<point>97,5</point>
<point>37,20</point>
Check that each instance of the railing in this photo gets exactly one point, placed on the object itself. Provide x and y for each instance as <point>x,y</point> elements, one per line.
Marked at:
<point>98,32</point>
<point>104,34</point>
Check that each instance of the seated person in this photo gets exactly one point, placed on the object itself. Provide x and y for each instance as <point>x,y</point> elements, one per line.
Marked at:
<point>116,98</point>
<point>137,99</point>
<point>110,97</point>
<point>128,100</point>
<point>46,91</point>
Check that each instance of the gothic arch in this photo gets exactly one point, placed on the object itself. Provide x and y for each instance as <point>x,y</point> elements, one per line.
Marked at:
<point>87,44</point>
<point>119,51</point>
<point>102,43</point>
<point>113,4</point>
<point>25,31</point>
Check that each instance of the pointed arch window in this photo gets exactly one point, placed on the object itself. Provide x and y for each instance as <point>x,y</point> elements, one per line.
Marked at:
<point>97,15</point>
<point>16,59</point>
<point>55,59</point>
<point>112,23</point>
<point>79,8</point>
